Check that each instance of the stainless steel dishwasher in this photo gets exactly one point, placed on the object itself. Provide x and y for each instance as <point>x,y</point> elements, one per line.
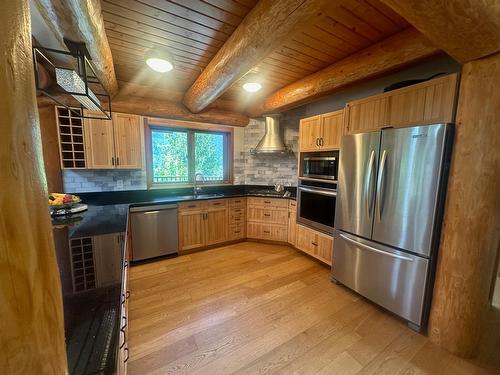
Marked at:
<point>154,231</point>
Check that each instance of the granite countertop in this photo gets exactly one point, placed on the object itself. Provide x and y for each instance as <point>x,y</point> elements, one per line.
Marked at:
<point>90,253</point>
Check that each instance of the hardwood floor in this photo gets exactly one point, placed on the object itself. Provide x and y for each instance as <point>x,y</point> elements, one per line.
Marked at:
<point>255,308</point>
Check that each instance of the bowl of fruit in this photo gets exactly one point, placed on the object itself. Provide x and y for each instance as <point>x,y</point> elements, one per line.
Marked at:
<point>58,201</point>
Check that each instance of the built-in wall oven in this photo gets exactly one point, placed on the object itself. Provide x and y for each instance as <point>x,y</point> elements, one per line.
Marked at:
<point>316,205</point>
<point>317,190</point>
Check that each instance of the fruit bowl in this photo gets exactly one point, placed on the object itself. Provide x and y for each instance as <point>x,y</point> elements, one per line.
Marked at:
<point>59,201</point>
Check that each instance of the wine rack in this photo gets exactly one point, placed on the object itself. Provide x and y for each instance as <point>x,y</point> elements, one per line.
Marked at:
<point>71,138</point>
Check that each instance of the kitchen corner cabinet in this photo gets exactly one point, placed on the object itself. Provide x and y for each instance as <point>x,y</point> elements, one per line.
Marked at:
<point>322,132</point>
<point>315,244</point>
<point>427,102</point>
<point>113,144</point>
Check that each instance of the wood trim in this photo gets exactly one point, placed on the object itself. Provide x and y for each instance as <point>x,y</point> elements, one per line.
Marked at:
<point>388,55</point>
<point>169,123</point>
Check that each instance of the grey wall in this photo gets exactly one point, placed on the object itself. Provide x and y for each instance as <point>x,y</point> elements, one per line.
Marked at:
<point>265,169</point>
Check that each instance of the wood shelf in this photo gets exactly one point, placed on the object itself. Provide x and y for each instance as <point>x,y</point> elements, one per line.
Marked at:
<point>71,139</point>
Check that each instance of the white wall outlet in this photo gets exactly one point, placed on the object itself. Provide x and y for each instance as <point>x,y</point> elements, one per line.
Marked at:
<point>119,184</point>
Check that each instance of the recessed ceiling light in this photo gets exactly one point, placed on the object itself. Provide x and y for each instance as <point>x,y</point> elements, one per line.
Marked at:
<point>159,60</point>
<point>252,86</point>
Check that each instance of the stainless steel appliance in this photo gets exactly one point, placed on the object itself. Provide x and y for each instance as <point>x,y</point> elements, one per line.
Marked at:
<point>316,205</point>
<point>390,200</point>
<point>154,231</point>
<point>319,166</point>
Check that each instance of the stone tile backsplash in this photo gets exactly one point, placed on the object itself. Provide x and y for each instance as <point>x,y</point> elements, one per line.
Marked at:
<point>248,169</point>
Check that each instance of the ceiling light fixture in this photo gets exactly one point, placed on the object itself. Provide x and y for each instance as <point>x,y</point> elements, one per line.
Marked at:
<point>160,60</point>
<point>252,86</point>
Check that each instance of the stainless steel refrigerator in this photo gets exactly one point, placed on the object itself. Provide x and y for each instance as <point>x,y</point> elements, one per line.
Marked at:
<point>390,198</point>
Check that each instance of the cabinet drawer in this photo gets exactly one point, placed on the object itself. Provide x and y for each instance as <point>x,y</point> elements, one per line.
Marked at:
<point>238,210</point>
<point>189,206</point>
<point>238,217</point>
<point>237,231</point>
<point>268,202</point>
<point>292,205</point>
<point>268,215</point>
<point>216,203</point>
<point>263,231</point>
<point>237,202</point>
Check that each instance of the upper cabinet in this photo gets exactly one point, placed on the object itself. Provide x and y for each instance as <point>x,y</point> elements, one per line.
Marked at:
<point>98,143</point>
<point>322,132</point>
<point>428,102</point>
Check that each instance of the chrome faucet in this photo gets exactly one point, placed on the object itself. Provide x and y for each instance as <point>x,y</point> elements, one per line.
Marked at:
<point>196,188</point>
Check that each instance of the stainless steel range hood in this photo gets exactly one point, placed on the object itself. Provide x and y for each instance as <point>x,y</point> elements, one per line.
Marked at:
<point>271,142</point>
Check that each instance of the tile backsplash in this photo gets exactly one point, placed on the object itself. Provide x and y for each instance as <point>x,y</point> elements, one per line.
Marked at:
<point>248,169</point>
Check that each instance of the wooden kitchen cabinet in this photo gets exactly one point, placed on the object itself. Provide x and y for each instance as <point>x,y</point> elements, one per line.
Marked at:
<point>267,219</point>
<point>367,114</point>
<point>315,244</point>
<point>191,229</point>
<point>322,132</point>
<point>292,222</point>
<point>202,223</point>
<point>115,143</point>
<point>427,102</point>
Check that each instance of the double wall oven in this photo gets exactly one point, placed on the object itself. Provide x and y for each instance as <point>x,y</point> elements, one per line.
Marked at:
<point>317,190</point>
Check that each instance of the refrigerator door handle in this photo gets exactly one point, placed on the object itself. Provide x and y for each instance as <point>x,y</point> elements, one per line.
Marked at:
<point>380,181</point>
<point>368,183</point>
<point>370,248</point>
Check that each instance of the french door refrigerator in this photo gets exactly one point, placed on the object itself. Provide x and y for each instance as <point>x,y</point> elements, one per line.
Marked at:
<point>390,198</point>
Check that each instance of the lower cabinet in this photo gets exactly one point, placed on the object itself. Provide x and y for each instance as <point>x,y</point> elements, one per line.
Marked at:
<point>292,222</point>
<point>202,223</point>
<point>267,219</point>
<point>314,243</point>
<point>263,231</point>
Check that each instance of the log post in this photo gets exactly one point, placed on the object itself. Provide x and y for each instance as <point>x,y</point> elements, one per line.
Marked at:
<point>31,324</point>
<point>471,228</point>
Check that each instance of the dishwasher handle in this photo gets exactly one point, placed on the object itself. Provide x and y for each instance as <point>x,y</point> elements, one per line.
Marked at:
<point>153,209</point>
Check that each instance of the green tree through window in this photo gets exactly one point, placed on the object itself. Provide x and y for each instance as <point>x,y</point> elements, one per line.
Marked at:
<point>177,154</point>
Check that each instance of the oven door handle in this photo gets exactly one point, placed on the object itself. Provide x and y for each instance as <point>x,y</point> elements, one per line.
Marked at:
<point>328,193</point>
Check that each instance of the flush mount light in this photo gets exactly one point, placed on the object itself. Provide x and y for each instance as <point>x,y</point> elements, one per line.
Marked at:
<point>160,60</point>
<point>252,86</point>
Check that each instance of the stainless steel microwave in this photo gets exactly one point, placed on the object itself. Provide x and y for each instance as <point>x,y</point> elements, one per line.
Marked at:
<point>323,166</point>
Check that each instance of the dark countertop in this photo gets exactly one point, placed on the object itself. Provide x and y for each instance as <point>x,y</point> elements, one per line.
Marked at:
<point>90,257</point>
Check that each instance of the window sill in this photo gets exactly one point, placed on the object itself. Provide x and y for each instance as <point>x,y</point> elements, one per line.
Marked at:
<point>181,186</point>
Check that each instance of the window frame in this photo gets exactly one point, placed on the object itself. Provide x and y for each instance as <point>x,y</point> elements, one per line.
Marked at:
<point>189,127</point>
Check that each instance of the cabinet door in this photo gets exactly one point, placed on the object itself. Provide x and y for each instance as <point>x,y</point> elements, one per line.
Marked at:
<point>366,115</point>
<point>292,226</point>
<point>309,133</point>
<point>128,146</point>
<point>306,240</point>
<point>99,144</point>
<point>191,229</point>
<point>406,107</point>
<point>331,130</point>
<point>256,230</point>
<point>216,225</point>
<point>440,100</point>
<point>324,248</point>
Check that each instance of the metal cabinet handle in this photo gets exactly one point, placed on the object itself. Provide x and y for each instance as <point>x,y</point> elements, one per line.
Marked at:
<point>127,357</point>
<point>267,214</point>
<point>237,231</point>
<point>266,231</point>
<point>314,244</point>
<point>321,142</point>
<point>368,181</point>
<point>380,182</point>
<point>117,161</point>
<point>113,161</point>
<point>268,202</point>
<point>370,248</point>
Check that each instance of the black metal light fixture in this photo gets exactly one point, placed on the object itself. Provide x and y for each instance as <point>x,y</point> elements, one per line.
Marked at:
<point>72,74</point>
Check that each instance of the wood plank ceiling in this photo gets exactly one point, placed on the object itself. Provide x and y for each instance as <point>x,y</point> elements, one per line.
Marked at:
<point>194,30</point>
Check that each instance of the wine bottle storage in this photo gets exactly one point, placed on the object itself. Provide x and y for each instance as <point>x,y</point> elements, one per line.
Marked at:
<point>71,138</point>
<point>82,264</point>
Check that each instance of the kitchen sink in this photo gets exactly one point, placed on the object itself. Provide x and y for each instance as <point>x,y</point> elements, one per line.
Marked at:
<point>200,196</point>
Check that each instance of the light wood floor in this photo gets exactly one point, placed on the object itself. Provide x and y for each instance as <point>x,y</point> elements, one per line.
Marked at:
<point>254,308</point>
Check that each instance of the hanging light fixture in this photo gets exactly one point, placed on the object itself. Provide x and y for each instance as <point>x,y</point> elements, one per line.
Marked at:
<point>160,60</point>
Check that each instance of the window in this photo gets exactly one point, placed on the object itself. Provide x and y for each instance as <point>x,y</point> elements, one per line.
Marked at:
<point>178,154</point>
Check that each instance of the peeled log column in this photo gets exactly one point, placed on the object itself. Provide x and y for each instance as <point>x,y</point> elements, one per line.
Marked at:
<point>31,323</point>
<point>471,232</point>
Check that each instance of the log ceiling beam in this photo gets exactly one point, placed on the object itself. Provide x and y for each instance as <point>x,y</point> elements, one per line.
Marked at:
<point>81,21</point>
<point>161,108</point>
<point>465,29</point>
<point>265,28</point>
<point>388,55</point>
